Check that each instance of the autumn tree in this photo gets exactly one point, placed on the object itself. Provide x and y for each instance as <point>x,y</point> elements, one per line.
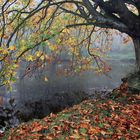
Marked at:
<point>38,31</point>
<point>122,15</point>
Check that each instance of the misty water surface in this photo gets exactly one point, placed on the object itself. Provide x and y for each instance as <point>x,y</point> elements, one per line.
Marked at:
<point>121,60</point>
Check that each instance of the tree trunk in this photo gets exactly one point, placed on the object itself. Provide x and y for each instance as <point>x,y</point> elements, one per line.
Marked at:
<point>136,42</point>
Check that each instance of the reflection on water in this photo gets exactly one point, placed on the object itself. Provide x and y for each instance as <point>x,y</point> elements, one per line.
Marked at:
<point>121,61</point>
<point>29,89</point>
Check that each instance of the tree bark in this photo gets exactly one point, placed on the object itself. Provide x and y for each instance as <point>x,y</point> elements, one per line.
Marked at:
<point>136,42</point>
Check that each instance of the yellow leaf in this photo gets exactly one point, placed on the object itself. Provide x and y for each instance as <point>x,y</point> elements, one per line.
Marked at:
<point>22,48</point>
<point>5,51</point>
<point>12,48</point>
<point>38,53</point>
<point>29,58</point>
<point>46,79</point>
<point>42,57</point>
<point>65,30</point>
<point>52,47</point>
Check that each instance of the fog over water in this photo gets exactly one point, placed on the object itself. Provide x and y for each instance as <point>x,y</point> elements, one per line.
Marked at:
<point>121,60</point>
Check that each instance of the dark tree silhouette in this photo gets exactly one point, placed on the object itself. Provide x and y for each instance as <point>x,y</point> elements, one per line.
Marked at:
<point>114,14</point>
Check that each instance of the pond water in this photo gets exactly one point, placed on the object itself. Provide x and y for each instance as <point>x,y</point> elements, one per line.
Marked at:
<point>36,98</point>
